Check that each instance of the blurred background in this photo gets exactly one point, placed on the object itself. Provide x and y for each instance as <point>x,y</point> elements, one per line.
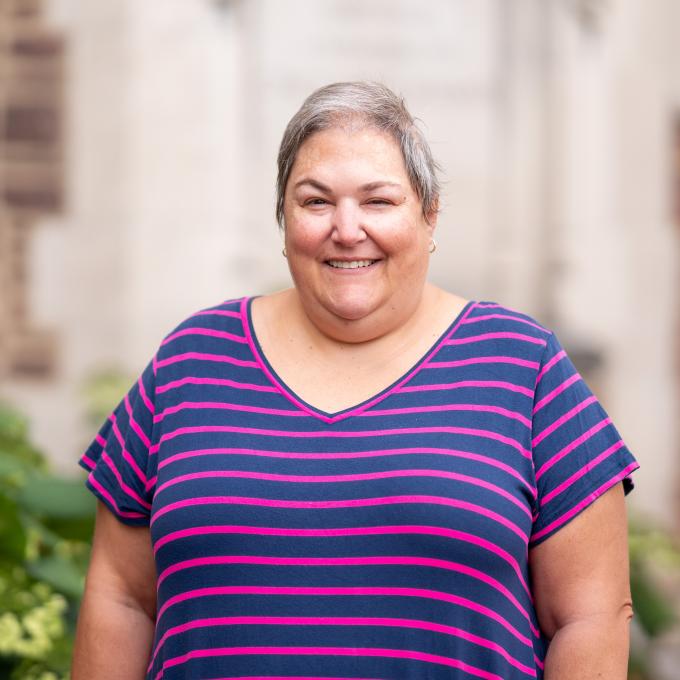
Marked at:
<point>137,165</point>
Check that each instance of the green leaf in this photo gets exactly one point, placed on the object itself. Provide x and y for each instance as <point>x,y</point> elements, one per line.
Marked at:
<point>57,498</point>
<point>73,529</point>
<point>652,610</point>
<point>60,573</point>
<point>10,465</point>
<point>14,440</point>
<point>12,534</point>
<point>12,425</point>
<point>103,391</point>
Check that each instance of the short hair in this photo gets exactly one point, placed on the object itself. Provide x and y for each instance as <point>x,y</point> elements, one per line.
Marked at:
<point>370,103</point>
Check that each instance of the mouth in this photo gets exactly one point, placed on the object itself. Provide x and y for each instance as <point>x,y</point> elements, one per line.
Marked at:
<point>350,264</point>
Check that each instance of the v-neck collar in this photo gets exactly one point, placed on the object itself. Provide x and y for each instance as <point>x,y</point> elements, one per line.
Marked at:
<point>281,386</point>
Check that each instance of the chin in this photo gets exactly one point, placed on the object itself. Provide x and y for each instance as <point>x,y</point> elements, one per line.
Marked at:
<point>352,310</point>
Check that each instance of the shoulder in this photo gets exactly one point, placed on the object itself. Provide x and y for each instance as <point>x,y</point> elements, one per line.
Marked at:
<point>227,313</point>
<point>205,329</point>
<point>492,321</point>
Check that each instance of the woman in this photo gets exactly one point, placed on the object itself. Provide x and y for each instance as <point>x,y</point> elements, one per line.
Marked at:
<point>363,476</point>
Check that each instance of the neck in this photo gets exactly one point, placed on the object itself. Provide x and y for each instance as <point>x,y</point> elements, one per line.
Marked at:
<point>326,330</point>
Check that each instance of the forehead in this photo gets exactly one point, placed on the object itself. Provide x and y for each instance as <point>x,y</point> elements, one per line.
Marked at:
<point>351,149</point>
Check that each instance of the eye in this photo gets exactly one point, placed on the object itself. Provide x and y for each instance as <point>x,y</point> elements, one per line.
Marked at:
<point>316,202</point>
<point>379,201</point>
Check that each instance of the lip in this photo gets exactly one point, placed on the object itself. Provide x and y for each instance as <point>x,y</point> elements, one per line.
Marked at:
<point>354,258</point>
<point>352,270</point>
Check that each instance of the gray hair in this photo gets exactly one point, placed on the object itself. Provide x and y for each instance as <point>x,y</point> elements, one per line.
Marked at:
<point>370,103</point>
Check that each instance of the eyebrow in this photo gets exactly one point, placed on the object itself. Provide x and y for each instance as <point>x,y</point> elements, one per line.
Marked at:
<point>371,186</point>
<point>313,183</point>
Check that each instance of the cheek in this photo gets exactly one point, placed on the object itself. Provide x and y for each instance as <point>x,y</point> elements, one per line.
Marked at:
<point>304,237</point>
<point>409,240</point>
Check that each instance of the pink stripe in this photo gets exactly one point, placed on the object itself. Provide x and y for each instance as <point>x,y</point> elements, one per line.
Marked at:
<point>100,440</point>
<point>343,621</point>
<point>398,561</point>
<point>334,479</point>
<point>116,430</point>
<point>501,335</point>
<point>586,469</point>
<point>484,360</point>
<point>563,419</point>
<point>126,454</point>
<point>471,383</point>
<point>88,461</point>
<point>351,412</point>
<point>571,446</point>
<point>327,651</point>
<point>265,369</point>
<point>134,424</point>
<point>301,591</point>
<point>348,503</point>
<point>351,454</point>
<point>210,332</point>
<point>151,483</point>
<point>557,391</point>
<point>334,434</point>
<point>397,387</point>
<point>558,357</point>
<point>103,492</point>
<point>214,381</point>
<point>488,317</point>
<point>514,415</point>
<point>147,402</point>
<point>563,519</point>
<point>186,405</point>
<point>443,532</point>
<point>217,312</point>
<point>128,490</point>
<point>201,356</point>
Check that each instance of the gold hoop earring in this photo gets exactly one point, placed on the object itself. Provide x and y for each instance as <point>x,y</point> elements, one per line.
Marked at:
<point>284,253</point>
<point>433,246</point>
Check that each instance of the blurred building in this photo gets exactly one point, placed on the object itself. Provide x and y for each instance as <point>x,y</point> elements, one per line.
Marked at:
<point>31,175</point>
<point>557,123</point>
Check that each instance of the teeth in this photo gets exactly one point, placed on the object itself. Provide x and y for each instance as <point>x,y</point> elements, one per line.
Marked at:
<point>354,264</point>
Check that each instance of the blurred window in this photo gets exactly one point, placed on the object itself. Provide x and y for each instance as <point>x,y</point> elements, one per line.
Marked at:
<point>31,174</point>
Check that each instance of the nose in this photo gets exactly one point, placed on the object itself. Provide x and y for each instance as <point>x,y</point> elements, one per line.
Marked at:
<point>347,224</point>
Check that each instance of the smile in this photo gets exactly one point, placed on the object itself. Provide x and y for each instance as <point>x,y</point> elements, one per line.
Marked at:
<point>351,264</point>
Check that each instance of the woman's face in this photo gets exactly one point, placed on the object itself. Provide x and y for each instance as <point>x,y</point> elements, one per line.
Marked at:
<point>356,239</point>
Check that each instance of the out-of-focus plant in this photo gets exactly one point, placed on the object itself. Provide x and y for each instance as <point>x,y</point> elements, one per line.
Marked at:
<point>102,391</point>
<point>45,526</point>
<point>655,580</point>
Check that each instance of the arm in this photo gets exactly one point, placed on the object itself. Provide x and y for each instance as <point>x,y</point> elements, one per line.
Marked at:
<point>116,620</point>
<point>580,579</point>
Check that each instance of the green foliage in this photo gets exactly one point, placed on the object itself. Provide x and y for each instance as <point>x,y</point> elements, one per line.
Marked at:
<point>102,391</point>
<point>654,566</point>
<point>651,551</point>
<point>45,526</point>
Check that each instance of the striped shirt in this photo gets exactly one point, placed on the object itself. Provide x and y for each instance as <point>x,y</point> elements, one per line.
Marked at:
<point>389,540</point>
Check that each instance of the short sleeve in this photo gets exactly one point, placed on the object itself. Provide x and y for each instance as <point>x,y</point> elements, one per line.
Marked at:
<point>577,452</point>
<point>121,471</point>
